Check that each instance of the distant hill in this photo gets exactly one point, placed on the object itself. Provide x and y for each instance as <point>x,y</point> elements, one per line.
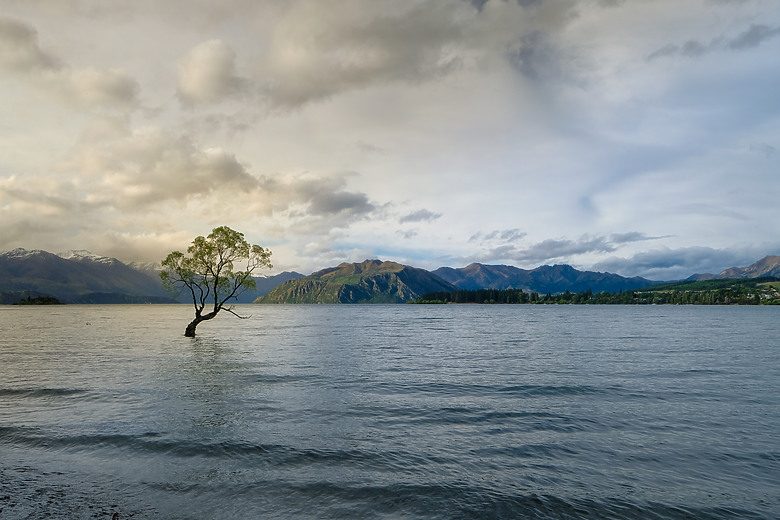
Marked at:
<point>76,275</point>
<point>767,266</point>
<point>545,279</point>
<point>372,281</point>
<point>83,277</point>
<point>266,284</point>
<point>263,284</point>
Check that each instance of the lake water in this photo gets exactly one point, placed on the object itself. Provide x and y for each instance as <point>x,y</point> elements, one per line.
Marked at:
<point>390,412</point>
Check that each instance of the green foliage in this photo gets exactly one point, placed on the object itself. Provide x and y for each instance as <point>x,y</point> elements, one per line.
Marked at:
<point>753,291</point>
<point>39,300</point>
<point>477,296</point>
<point>208,270</point>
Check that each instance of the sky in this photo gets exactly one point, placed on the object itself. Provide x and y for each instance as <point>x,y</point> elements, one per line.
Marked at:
<point>638,137</point>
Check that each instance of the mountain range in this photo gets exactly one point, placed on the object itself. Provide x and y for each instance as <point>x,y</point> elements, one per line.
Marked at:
<point>76,277</point>
<point>544,279</point>
<point>767,266</point>
<point>372,281</point>
<point>82,277</point>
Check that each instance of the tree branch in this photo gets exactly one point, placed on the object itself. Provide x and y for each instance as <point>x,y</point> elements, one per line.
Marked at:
<point>231,311</point>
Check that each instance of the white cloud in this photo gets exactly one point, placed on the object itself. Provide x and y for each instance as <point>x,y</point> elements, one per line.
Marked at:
<point>539,129</point>
<point>96,87</point>
<point>207,73</point>
<point>132,169</point>
<point>21,54</point>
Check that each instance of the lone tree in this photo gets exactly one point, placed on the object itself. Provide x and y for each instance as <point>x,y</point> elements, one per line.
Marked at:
<point>207,272</point>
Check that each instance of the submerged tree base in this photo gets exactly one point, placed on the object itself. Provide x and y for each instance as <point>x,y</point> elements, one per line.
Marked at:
<point>190,330</point>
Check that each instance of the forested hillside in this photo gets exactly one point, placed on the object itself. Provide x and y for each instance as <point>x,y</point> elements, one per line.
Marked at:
<point>755,291</point>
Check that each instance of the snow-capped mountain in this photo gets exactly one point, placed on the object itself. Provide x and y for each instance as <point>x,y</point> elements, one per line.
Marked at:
<point>77,276</point>
<point>84,255</point>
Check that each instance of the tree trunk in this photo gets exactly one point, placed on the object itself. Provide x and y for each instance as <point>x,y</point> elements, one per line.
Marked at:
<point>190,330</point>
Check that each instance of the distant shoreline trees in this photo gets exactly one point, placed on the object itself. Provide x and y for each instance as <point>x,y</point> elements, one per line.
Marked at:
<point>39,300</point>
<point>754,291</point>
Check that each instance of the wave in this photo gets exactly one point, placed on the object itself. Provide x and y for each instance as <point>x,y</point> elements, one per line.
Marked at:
<point>481,390</point>
<point>506,420</point>
<point>272,379</point>
<point>454,501</point>
<point>438,501</point>
<point>40,392</point>
<point>257,454</point>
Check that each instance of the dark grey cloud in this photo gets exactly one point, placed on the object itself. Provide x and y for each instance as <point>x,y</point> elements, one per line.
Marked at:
<point>318,50</point>
<point>504,235</point>
<point>422,215</point>
<point>19,49</point>
<point>632,236</point>
<point>753,36</point>
<point>329,203</point>
<point>689,49</point>
<point>536,56</point>
<point>479,4</point>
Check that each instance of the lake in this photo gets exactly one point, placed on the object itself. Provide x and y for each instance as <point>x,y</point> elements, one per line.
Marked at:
<point>390,412</point>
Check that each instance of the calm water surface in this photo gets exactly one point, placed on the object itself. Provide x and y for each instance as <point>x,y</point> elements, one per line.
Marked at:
<point>391,412</point>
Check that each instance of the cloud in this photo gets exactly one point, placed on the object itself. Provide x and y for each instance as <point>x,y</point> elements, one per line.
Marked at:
<point>503,235</point>
<point>551,249</point>
<point>544,251</point>
<point>19,49</point>
<point>764,149</point>
<point>503,246</point>
<point>98,87</point>
<point>631,236</point>
<point>422,215</point>
<point>319,49</point>
<point>754,36</point>
<point>675,264</point>
<point>554,103</point>
<point>329,203</point>
<point>132,169</point>
<point>535,55</point>
<point>207,74</point>
<point>136,170</point>
<point>21,55</point>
